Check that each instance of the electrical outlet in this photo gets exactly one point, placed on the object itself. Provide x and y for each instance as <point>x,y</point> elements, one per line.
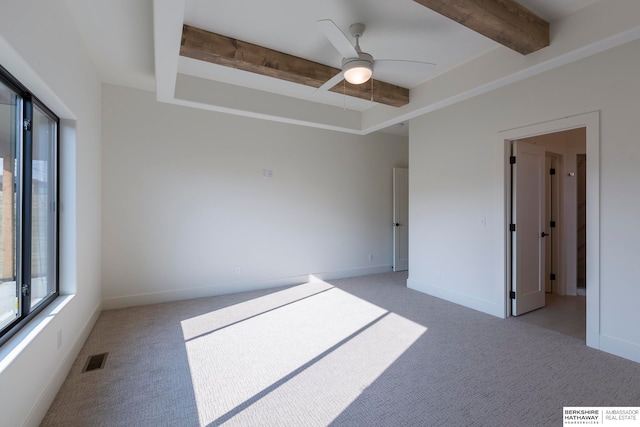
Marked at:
<point>370,257</point>
<point>59,338</point>
<point>238,271</point>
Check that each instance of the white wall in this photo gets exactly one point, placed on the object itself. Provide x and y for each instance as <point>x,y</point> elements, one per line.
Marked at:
<point>39,46</point>
<point>188,212</point>
<point>457,175</point>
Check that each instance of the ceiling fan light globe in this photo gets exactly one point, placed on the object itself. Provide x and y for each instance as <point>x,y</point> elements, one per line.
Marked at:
<point>358,75</point>
<point>358,72</point>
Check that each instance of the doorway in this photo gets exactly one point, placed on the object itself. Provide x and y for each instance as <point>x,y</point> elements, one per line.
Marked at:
<point>566,277</point>
<point>562,234</point>
<point>546,260</point>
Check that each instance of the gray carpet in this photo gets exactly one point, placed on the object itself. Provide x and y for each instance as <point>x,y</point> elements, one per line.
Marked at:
<point>561,313</point>
<point>363,351</point>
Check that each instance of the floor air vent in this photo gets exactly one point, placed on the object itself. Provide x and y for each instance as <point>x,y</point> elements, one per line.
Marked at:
<point>94,362</point>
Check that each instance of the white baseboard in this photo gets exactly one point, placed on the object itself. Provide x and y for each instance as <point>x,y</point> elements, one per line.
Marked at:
<point>478,304</point>
<point>49,392</point>
<point>625,349</point>
<point>233,287</point>
<point>363,271</point>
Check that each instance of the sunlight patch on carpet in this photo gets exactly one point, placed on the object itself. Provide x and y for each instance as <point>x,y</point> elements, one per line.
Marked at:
<point>264,360</point>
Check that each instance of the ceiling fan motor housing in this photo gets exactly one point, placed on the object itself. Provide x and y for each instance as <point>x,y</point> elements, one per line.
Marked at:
<point>358,70</point>
<point>363,60</point>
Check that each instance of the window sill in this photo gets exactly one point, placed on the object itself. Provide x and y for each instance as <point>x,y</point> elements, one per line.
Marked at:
<point>12,349</point>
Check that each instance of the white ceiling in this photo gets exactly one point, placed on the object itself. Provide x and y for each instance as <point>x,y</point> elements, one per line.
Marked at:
<point>133,47</point>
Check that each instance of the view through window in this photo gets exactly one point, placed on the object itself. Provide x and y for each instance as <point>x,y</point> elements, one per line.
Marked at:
<point>10,115</point>
<point>28,205</point>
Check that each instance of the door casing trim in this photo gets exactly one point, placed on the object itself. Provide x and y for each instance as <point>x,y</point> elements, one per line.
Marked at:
<point>590,121</point>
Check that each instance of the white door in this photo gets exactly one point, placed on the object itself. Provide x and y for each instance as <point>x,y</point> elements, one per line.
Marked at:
<point>528,184</point>
<point>549,215</point>
<point>400,219</point>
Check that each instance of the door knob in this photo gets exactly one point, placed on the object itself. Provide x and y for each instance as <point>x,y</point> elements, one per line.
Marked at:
<point>543,234</point>
<point>397,224</point>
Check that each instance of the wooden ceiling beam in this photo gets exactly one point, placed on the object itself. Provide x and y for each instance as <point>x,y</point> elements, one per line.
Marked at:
<point>217,49</point>
<point>504,21</point>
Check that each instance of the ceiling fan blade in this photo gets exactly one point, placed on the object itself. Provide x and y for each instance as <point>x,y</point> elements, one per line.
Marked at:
<point>337,38</point>
<point>406,70</point>
<point>330,83</point>
<point>384,62</point>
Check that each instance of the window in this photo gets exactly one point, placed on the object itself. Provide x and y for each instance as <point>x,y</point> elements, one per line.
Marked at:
<point>28,205</point>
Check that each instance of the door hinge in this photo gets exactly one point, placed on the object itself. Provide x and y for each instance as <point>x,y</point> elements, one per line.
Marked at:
<point>512,227</point>
<point>25,290</point>
<point>552,171</point>
<point>512,295</point>
<point>512,160</point>
<point>552,224</point>
<point>26,125</point>
<point>552,276</point>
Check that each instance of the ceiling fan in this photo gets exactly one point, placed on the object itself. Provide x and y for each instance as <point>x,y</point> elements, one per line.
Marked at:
<point>357,66</point>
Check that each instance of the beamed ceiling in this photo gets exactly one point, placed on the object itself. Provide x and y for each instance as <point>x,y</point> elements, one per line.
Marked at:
<point>504,21</point>
<point>268,59</point>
